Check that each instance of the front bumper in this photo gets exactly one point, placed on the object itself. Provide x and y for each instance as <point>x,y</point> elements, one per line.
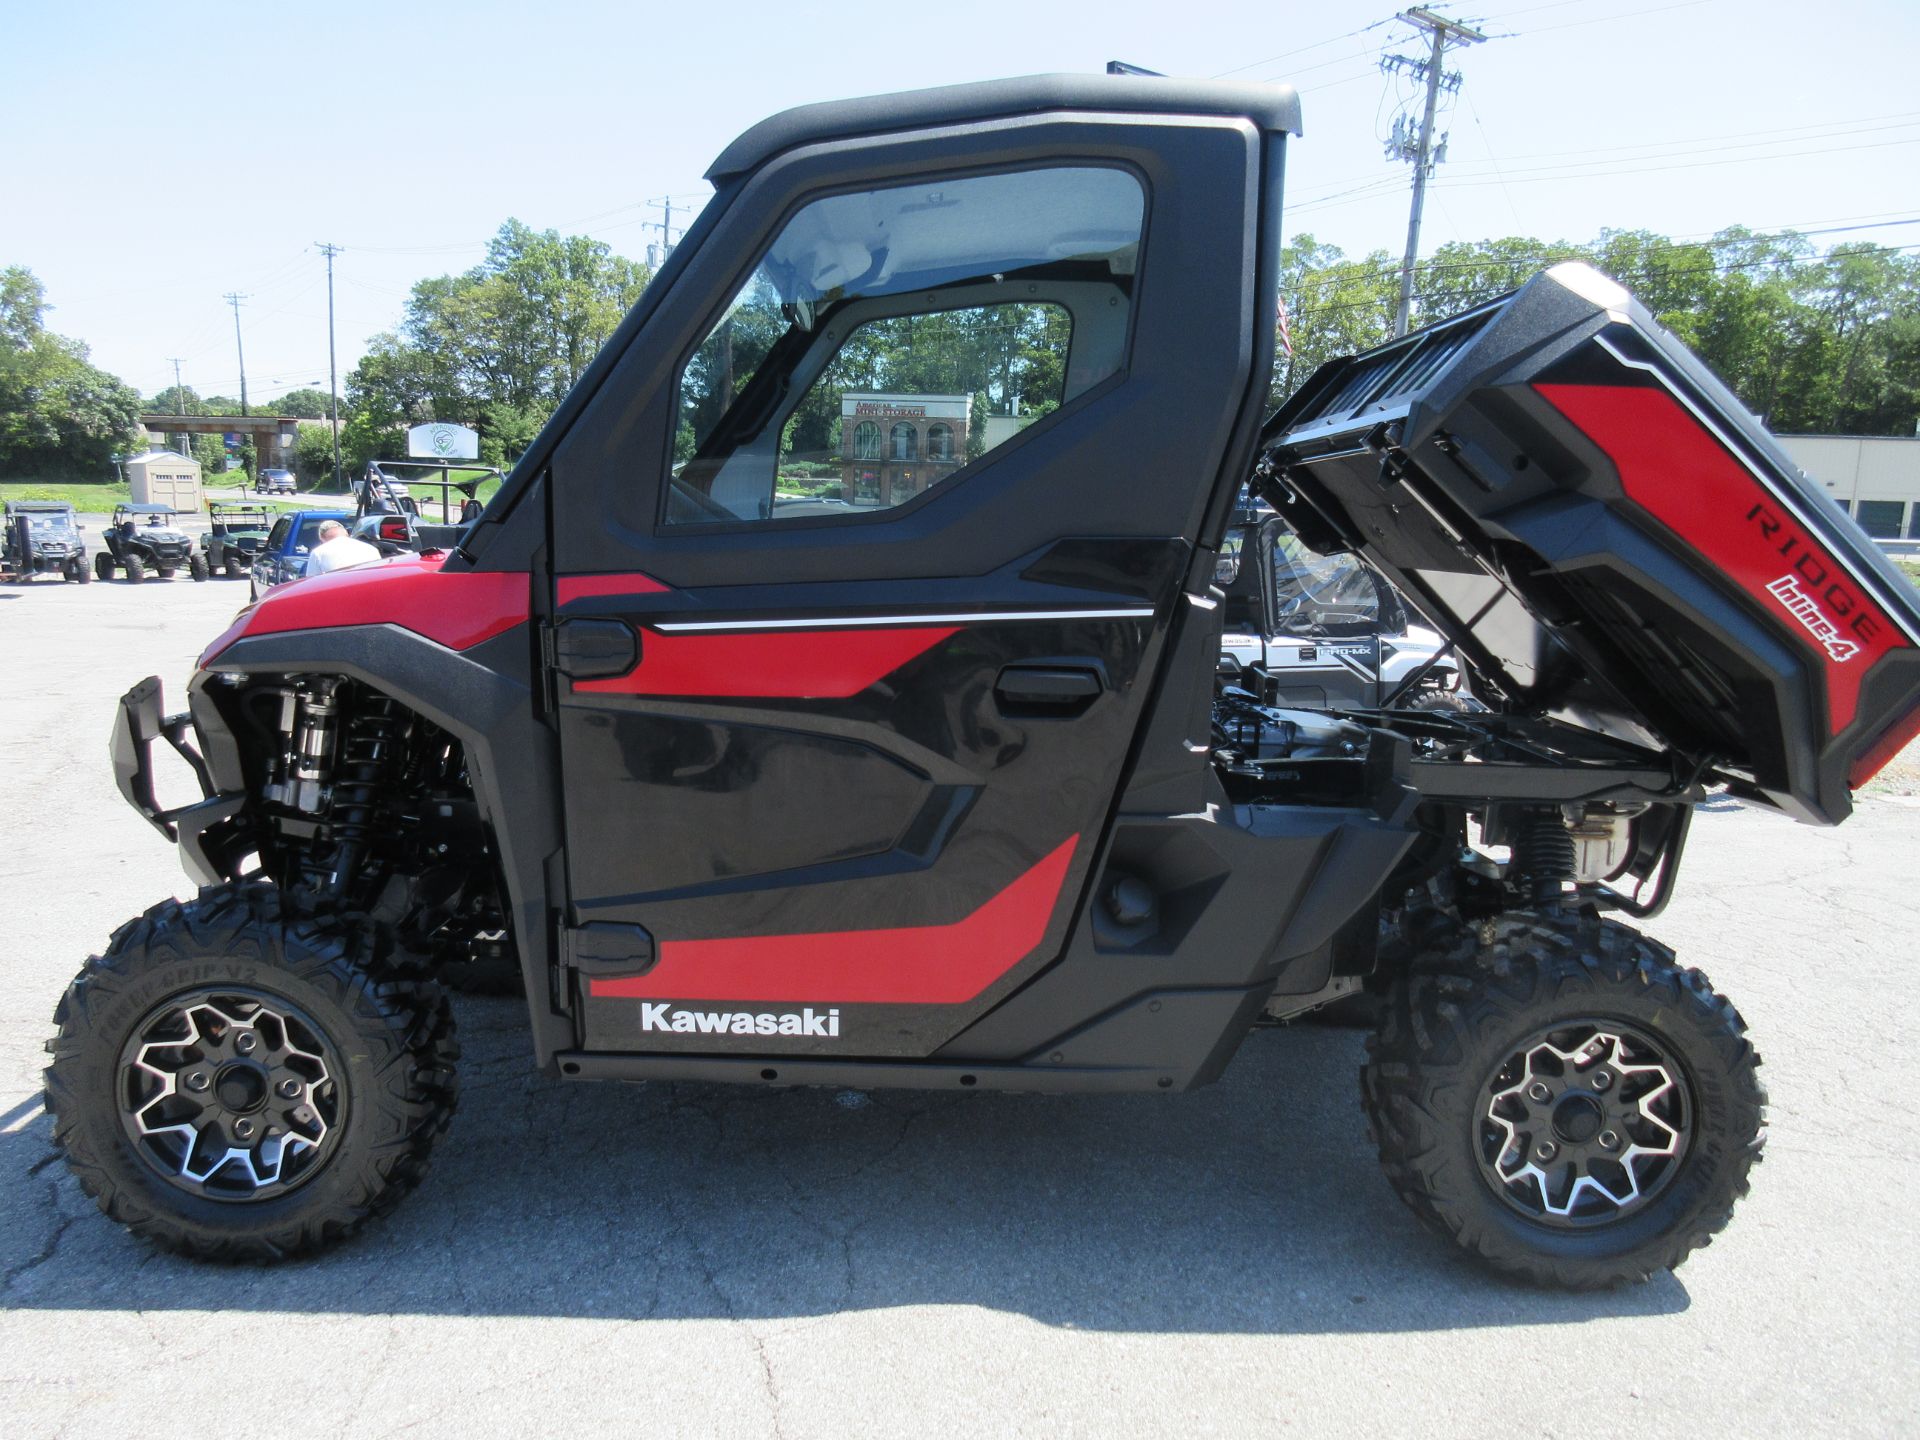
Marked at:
<point>138,722</point>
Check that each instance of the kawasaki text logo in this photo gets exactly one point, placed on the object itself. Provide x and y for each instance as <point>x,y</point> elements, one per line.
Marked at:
<point>664,1016</point>
<point>1804,608</point>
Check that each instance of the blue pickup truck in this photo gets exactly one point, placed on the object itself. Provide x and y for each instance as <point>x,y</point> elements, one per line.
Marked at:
<point>284,556</point>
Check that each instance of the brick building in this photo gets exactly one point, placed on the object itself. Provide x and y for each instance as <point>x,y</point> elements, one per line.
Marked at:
<point>894,446</point>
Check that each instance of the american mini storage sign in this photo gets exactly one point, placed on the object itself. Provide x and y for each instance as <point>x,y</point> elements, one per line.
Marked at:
<point>437,440</point>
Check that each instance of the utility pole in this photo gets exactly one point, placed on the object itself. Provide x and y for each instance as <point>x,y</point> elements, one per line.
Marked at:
<point>179,399</point>
<point>234,300</point>
<point>333,379</point>
<point>664,225</point>
<point>1418,146</point>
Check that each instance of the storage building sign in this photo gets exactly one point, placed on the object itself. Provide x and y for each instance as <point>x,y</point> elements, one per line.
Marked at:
<point>437,440</point>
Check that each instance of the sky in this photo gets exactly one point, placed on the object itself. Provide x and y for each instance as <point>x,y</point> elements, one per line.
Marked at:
<point>154,158</point>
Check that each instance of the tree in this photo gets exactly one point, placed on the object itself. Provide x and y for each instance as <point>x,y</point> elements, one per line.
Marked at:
<point>506,432</point>
<point>1809,342</point>
<point>178,400</point>
<point>305,403</point>
<point>58,413</point>
<point>515,331</point>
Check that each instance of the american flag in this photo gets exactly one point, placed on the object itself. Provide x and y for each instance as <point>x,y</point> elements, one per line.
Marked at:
<point>1285,330</point>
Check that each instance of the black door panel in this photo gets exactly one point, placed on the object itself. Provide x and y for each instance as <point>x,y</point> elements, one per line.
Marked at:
<point>829,790</point>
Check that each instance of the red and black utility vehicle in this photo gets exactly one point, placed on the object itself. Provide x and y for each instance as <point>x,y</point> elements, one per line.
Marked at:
<point>904,484</point>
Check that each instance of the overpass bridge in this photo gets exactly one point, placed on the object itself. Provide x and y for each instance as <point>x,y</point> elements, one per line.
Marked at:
<point>272,435</point>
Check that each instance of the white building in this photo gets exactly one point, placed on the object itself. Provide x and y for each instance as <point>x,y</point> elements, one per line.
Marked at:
<point>1874,478</point>
<point>162,477</point>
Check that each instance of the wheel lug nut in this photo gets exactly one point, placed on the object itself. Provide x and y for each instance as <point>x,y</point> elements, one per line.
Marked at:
<point>1538,1091</point>
<point>289,1088</point>
<point>197,1080</point>
<point>245,1041</point>
<point>1609,1140</point>
<point>1601,1079</point>
<point>243,1128</point>
<point>1546,1150</point>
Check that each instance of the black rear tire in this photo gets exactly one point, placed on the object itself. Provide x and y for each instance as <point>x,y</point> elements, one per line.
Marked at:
<point>1467,1010</point>
<point>197,567</point>
<point>387,1032</point>
<point>103,566</point>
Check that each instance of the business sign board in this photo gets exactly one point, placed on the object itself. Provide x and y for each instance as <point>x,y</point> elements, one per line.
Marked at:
<point>437,440</point>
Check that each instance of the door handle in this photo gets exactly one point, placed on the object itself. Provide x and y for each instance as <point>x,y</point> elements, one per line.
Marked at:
<point>590,649</point>
<point>1057,688</point>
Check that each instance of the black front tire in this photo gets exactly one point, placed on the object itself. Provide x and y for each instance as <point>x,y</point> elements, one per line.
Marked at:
<point>136,569</point>
<point>388,1031</point>
<point>1467,1007</point>
<point>197,567</point>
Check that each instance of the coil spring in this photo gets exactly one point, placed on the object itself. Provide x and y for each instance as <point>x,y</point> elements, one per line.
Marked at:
<point>1543,854</point>
<point>368,749</point>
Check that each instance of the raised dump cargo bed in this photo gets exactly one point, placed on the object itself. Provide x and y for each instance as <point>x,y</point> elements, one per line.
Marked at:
<point>1612,539</point>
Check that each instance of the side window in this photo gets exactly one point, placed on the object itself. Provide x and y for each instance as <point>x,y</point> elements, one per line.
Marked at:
<point>277,537</point>
<point>892,337</point>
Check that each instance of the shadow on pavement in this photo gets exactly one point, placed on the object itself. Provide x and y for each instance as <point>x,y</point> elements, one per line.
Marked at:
<point>1251,1207</point>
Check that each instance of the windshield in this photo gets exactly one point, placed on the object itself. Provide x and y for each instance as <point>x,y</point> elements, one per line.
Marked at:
<point>58,525</point>
<point>1316,594</point>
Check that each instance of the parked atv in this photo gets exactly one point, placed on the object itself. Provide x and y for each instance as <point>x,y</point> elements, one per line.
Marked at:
<point>1059,854</point>
<point>141,542</point>
<point>235,537</point>
<point>1324,631</point>
<point>40,537</point>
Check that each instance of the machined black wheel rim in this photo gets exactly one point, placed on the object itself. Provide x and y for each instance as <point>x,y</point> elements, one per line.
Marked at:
<point>231,1094</point>
<point>1584,1124</point>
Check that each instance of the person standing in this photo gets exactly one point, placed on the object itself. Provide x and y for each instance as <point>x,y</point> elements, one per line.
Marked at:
<point>337,550</point>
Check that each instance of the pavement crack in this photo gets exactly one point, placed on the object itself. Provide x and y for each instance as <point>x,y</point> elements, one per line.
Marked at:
<point>48,1250</point>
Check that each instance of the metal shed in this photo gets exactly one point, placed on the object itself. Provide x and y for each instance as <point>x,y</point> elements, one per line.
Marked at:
<point>164,477</point>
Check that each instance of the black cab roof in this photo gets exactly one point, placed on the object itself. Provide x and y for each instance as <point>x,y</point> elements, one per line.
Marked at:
<point>1271,107</point>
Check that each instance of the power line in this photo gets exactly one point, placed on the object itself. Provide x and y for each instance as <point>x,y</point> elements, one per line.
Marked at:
<point>1304,49</point>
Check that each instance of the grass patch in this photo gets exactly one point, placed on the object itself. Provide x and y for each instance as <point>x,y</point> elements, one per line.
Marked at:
<point>80,494</point>
<point>1910,569</point>
<point>100,499</point>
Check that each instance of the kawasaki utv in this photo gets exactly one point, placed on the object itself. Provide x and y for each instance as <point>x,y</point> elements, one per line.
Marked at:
<point>1027,326</point>
<point>1323,631</point>
<point>39,537</point>
<point>142,542</point>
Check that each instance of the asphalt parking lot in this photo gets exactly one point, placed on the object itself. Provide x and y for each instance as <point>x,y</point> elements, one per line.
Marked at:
<point>686,1260</point>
